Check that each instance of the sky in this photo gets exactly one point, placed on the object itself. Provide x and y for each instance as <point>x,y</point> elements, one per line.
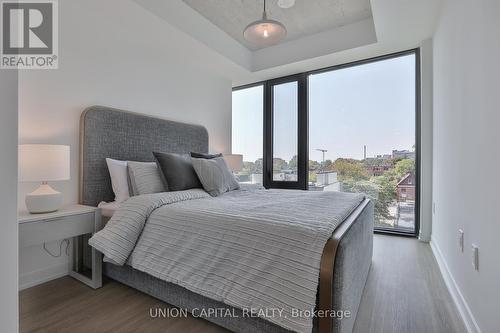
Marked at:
<point>371,104</point>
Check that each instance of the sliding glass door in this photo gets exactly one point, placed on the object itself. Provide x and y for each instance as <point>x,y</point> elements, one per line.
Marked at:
<point>348,128</point>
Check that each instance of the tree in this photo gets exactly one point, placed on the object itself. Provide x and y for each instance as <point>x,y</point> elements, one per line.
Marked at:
<point>387,186</point>
<point>327,165</point>
<point>248,168</point>
<point>313,165</point>
<point>405,167</point>
<point>381,189</point>
<point>371,162</point>
<point>259,165</point>
<point>279,164</point>
<point>293,162</point>
<point>313,176</point>
<point>252,167</point>
<point>386,196</point>
<point>349,169</point>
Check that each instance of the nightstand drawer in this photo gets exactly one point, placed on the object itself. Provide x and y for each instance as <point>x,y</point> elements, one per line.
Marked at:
<point>44,231</point>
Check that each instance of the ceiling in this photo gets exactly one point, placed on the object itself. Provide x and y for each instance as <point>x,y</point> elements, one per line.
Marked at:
<point>305,18</point>
<point>393,25</point>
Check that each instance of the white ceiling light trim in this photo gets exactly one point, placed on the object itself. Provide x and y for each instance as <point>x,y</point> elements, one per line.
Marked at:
<point>265,32</point>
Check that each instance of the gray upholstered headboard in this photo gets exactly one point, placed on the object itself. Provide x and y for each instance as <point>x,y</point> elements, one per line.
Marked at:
<point>123,135</point>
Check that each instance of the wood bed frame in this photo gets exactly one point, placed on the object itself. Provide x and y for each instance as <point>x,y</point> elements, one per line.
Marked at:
<point>327,268</point>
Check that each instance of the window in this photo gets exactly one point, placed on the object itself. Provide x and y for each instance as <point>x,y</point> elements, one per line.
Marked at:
<point>285,122</point>
<point>362,136</point>
<point>349,128</point>
<point>247,132</point>
<point>285,130</point>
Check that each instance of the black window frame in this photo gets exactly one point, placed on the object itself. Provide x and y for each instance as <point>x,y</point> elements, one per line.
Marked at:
<point>303,129</point>
<point>252,85</point>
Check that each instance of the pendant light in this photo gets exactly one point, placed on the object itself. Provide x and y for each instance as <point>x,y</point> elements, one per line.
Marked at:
<point>264,32</point>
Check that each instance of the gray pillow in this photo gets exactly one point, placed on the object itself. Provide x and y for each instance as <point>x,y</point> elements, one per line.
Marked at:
<point>177,171</point>
<point>145,178</point>
<point>214,175</point>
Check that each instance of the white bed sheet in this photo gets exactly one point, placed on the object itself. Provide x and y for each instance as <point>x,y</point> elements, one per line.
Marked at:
<point>108,208</point>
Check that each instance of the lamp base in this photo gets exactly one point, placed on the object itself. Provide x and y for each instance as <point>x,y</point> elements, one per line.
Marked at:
<point>43,200</point>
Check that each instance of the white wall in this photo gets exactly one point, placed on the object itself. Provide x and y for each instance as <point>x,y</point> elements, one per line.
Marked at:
<point>467,155</point>
<point>8,203</point>
<point>115,53</point>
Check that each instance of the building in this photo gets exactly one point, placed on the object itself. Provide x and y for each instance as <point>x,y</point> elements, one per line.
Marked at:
<point>403,154</point>
<point>285,175</point>
<point>384,157</point>
<point>326,181</point>
<point>405,189</point>
<point>376,166</point>
<point>326,178</point>
<point>378,170</point>
<point>256,178</point>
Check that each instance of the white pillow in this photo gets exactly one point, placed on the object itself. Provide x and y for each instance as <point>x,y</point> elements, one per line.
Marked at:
<point>119,179</point>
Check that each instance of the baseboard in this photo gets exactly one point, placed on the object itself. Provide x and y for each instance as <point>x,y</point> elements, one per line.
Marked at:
<point>34,278</point>
<point>462,306</point>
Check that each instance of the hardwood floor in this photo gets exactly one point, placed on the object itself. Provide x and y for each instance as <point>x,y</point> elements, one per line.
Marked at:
<point>404,293</point>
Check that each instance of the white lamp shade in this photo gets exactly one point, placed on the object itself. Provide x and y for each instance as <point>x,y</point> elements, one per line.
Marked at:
<point>265,32</point>
<point>234,162</point>
<point>43,163</point>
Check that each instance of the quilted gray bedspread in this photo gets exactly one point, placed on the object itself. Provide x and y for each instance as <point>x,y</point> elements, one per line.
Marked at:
<point>251,249</point>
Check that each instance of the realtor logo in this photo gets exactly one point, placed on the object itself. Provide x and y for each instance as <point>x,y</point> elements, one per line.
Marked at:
<point>29,34</point>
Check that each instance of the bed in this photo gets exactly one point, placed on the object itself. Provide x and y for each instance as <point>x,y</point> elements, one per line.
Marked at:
<point>345,259</point>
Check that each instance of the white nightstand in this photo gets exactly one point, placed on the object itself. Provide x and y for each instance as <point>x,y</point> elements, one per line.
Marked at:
<point>73,221</point>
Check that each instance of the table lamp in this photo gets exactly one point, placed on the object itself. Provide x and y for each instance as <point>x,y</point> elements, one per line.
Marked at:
<point>43,163</point>
<point>234,162</point>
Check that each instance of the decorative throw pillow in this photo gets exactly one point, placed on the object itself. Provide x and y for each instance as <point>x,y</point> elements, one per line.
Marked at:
<point>145,178</point>
<point>119,179</point>
<point>215,175</point>
<point>177,171</point>
<point>207,156</point>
